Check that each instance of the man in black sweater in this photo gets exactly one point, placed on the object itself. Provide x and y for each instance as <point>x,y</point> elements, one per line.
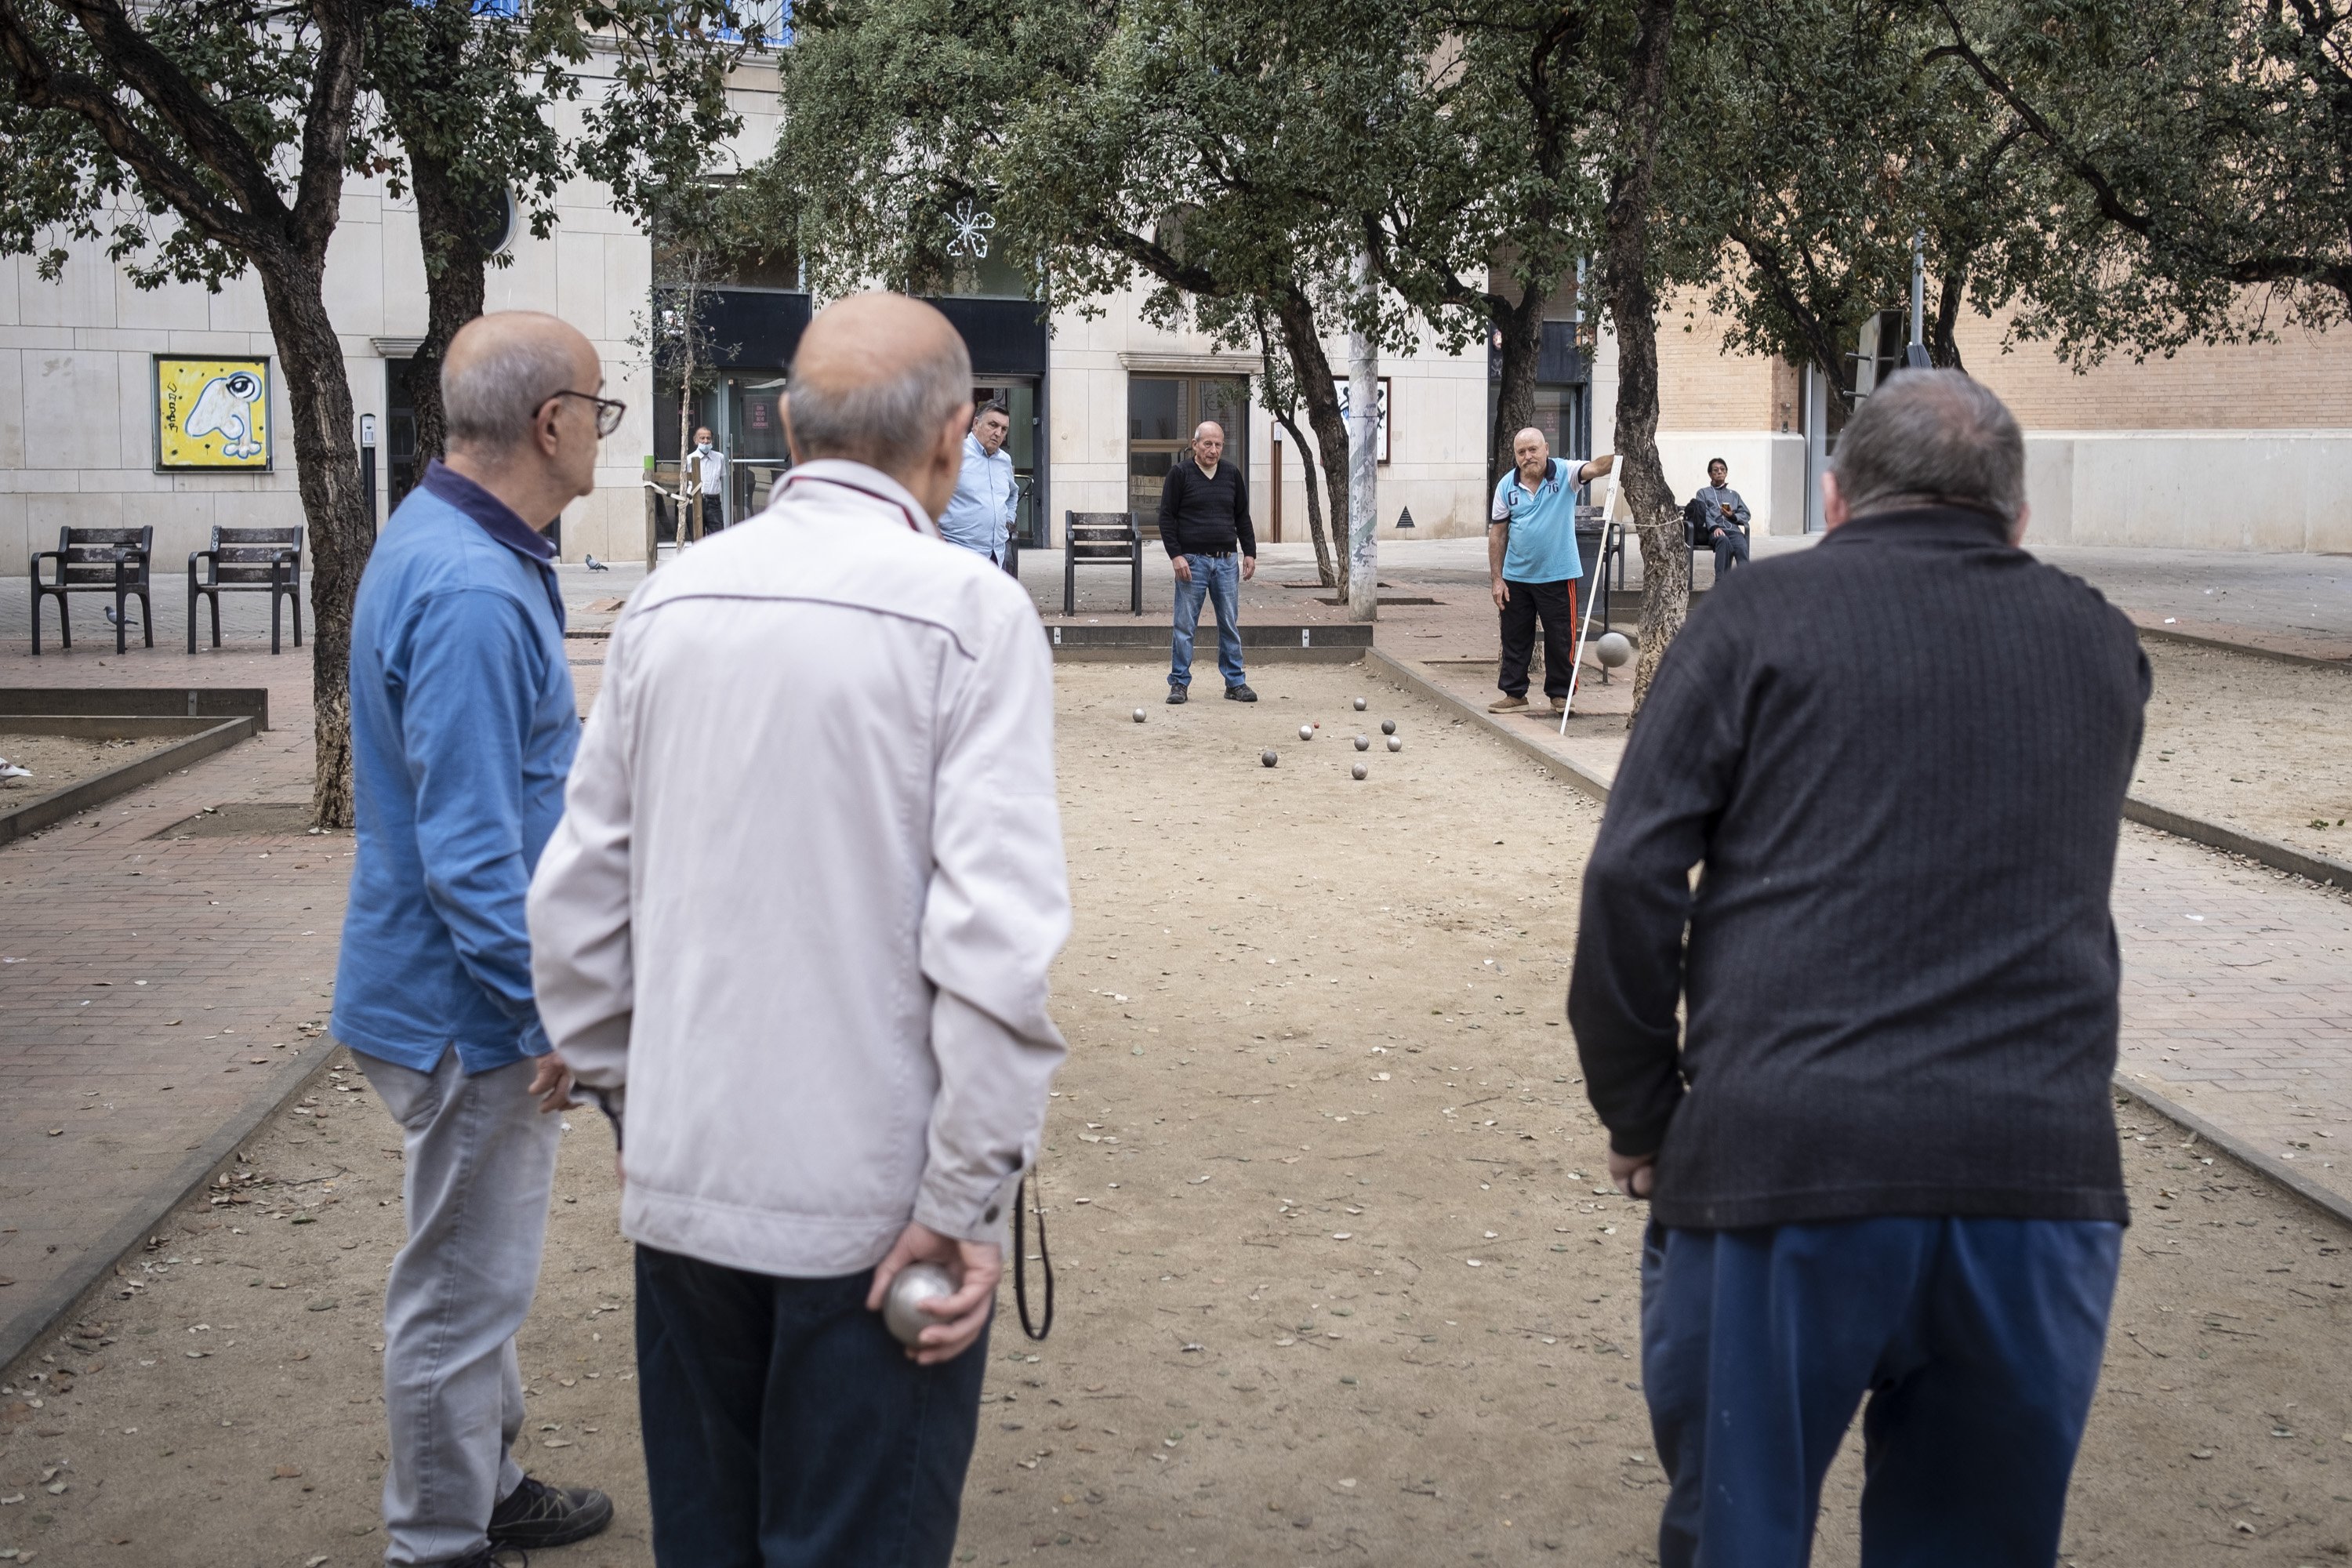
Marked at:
<point>1204,521</point>
<point>1881,1157</point>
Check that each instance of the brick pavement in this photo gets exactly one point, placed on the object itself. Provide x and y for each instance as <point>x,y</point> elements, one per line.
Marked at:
<point>141,978</point>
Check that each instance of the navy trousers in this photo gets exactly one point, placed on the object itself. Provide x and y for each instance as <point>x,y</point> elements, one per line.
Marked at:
<point>1976,1342</point>
<point>786,1428</point>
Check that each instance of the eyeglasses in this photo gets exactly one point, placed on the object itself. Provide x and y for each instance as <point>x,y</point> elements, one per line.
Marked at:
<point>609,410</point>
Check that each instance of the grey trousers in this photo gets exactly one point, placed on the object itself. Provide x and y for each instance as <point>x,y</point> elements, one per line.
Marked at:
<point>480,1169</point>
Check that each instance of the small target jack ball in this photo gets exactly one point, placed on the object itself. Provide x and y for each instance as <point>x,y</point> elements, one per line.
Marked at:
<point>1138,715</point>
<point>1396,744</point>
<point>1306,732</point>
<point>1613,648</point>
<point>1267,757</point>
<point>1358,772</point>
<point>1362,703</point>
<point>1363,743</point>
<point>914,1284</point>
<point>1387,726</point>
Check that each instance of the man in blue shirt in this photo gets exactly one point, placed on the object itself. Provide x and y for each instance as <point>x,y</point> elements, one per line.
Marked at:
<point>980,517</point>
<point>1531,553</point>
<point>463,726</point>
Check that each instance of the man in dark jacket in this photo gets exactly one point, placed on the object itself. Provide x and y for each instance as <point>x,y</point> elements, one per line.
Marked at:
<point>1881,1157</point>
<point>1204,521</point>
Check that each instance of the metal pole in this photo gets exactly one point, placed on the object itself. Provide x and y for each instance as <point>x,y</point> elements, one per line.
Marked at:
<point>1363,464</point>
<point>1915,354</point>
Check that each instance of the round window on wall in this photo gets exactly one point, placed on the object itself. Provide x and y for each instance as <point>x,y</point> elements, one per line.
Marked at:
<point>495,218</point>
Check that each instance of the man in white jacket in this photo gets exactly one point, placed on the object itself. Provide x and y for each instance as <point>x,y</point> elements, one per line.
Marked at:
<point>794,930</point>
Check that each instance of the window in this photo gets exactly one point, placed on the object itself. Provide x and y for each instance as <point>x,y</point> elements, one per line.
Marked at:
<point>1162,412</point>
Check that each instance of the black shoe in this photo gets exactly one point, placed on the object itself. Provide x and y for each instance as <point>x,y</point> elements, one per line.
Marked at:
<point>536,1514</point>
<point>1176,695</point>
<point>1241,693</point>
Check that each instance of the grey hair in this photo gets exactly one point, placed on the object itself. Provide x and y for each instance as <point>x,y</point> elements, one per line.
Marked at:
<point>888,425</point>
<point>993,406</point>
<point>1929,437</point>
<point>491,400</point>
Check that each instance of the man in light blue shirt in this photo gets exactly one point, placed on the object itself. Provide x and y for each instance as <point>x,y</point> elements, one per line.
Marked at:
<point>1531,552</point>
<point>980,518</point>
<point>463,727</point>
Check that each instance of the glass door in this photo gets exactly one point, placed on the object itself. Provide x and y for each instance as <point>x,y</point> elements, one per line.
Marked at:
<point>753,440</point>
<point>1024,441</point>
<point>1162,411</point>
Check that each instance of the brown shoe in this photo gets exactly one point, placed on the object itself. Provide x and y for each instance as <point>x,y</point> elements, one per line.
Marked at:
<point>1507,704</point>
<point>1559,704</point>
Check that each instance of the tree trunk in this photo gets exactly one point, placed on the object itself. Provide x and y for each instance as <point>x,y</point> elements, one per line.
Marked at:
<point>1314,501</point>
<point>1522,329</point>
<point>334,505</point>
<point>454,287</point>
<point>1312,369</point>
<point>1633,304</point>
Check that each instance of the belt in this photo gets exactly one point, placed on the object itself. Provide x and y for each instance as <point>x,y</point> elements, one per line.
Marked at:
<point>1213,554</point>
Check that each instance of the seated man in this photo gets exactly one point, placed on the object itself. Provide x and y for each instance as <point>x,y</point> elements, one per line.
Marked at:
<point>1720,520</point>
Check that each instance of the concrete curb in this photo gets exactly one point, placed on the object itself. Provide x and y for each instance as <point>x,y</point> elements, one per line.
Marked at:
<point>23,1330</point>
<point>2229,1143</point>
<point>1560,768</point>
<point>57,805</point>
<point>2251,650</point>
<point>2213,835</point>
<point>2238,1149</point>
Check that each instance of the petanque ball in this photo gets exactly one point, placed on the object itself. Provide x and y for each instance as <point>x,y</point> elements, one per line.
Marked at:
<point>1306,732</point>
<point>1138,715</point>
<point>1267,757</point>
<point>1358,772</point>
<point>1396,744</point>
<point>1363,743</point>
<point>1362,703</point>
<point>1613,648</point>
<point>915,1284</point>
<point>1387,726</point>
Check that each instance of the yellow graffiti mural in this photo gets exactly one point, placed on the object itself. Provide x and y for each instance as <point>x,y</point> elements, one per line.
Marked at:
<point>212,413</point>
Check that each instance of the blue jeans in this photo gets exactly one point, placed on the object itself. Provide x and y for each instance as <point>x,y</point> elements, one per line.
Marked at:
<point>1977,1341</point>
<point>786,1428</point>
<point>1216,577</point>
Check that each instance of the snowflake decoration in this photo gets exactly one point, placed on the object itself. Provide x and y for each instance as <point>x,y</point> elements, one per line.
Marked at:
<point>972,231</point>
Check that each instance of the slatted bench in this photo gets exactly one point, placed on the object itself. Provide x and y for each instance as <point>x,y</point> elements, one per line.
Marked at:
<point>96,561</point>
<point>249,561</point>
<point>1100,539</point>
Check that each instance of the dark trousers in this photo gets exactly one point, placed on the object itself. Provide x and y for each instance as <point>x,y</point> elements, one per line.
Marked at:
<point>1977,1341</point>
<point>786,1428</point>
<point>1731,550</point>
<point>1555,604</point>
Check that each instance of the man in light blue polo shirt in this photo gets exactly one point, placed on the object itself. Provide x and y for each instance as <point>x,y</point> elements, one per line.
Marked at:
<point>980,515</point>
<point>1531,551</point>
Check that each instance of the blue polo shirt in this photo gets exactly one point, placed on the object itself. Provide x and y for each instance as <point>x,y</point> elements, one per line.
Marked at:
<point>463,726</point>
<point>1542,545</point>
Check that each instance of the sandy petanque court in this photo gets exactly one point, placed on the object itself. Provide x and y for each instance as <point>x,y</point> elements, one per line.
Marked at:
<point>1339,1278</point>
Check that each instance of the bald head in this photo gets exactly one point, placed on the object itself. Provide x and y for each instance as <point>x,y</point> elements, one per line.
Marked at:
<point>875,380</point>
<point>1531,456</point>
<point>500,370</point>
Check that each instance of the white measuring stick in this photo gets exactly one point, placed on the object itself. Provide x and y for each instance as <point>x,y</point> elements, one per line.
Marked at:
<point>1600,571</point>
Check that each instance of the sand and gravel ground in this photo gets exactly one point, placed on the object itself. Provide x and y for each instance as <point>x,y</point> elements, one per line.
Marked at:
<point>1339,1280</point>
<point>2258,744</point>
<point>58,761</point>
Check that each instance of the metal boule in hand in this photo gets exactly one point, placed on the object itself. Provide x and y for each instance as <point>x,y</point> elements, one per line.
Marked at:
<point>902,1307</point>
